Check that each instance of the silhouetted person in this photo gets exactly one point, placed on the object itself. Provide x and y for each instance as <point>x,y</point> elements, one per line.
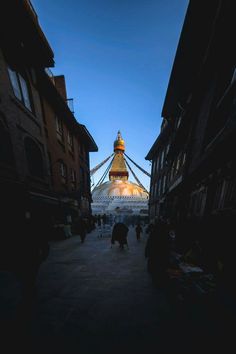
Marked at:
<point>92,222</point>
<point>82,229</point>
<point>157,252</point>
<point>99,222</point>
<point>138,231</point>
<point>104,219</point>
<point>119,233</point>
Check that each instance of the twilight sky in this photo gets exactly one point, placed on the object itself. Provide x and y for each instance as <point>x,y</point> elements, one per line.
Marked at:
<point>117,57</point>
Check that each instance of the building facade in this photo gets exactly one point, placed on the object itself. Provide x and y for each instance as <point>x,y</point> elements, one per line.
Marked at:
<point>44,155</point>
<point>198,135</point>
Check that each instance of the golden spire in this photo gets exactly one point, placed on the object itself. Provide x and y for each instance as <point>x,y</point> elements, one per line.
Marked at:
<point>119,143</point>
<point>118,169</point>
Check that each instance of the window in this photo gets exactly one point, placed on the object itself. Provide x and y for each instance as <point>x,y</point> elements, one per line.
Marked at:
<point>224,194</point>
<point>184,158</point>
<point>63,170</point>
<point>59,128</point>
<point>34,158</point>
<point>73,175</point>
<point>20,88</point>
<point>162,159</point>
<point>177,166</point>
<point>157,165</point>
<point>200,203</point>
<point>172,173</point>
<point>167,149</point>
<point>197,202</point>
<point>164,184</point>
<point>73,178</point>
<point>178,121</point>
<point>70,140</point>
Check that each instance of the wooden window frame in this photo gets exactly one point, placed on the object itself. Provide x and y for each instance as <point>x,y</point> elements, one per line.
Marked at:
<point>21,88</point>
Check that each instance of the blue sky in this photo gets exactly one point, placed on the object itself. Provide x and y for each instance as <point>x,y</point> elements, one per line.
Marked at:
<point>117,57</point>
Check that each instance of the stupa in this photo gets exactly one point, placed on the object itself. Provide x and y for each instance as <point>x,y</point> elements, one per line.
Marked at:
<point>119,195</point>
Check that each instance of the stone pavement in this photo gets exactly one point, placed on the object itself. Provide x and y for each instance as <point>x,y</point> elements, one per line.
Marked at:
<point>96,299</point>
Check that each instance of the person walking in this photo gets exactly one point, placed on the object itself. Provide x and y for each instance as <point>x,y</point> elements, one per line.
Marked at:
<point>119,233</point>
<point>99,223</point>
<point>83,229</point>
<point>104,219</point>
<point>138,231</point>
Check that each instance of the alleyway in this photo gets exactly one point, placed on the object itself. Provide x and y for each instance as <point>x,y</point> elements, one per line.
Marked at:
<point>96,299</point>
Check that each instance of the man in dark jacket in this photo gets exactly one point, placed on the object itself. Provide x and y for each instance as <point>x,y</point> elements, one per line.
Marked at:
<point>119,233</point>
<point>138,231</point>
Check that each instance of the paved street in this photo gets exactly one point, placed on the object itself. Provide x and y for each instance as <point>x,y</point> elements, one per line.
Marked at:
<point>96,299</point>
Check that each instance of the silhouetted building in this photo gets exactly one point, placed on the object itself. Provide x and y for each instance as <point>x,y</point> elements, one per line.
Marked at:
<point>193,158</point>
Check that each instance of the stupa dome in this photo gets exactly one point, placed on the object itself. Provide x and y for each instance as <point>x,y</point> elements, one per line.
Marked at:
<point>119,188</point>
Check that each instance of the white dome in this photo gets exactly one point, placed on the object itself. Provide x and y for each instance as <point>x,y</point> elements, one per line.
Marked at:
<point>119,188</point>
